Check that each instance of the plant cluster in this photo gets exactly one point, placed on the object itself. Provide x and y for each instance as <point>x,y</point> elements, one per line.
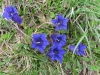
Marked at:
<point>39,41</point>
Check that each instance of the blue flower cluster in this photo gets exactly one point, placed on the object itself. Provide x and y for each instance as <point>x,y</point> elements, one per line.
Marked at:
<point>56,52</point>
<point>79,50</point>
<point>39,41</point>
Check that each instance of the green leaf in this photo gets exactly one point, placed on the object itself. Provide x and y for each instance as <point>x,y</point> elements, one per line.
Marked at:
<point>52,15</point>
<point>93,67</point>
<point>2,73</point>
<point>4,62</point>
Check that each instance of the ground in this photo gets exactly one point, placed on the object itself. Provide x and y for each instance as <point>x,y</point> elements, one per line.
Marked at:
<point>18,58</point>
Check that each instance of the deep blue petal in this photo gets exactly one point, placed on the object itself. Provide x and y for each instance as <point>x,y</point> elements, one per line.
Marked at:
<point>50,53</point>
<point>60,55</point>
<point>46,43</point>
<point>7,9</point>
<point>61,27</point>
<point>57,28</point>
<point>82,48</point>
<point>44,46</point>
<point>40,49</point>
<point>80,53</point>
<point>53,58</point>
<point>64,37</point>
<point>54,21</point>
<point>83,53</point>
<point>6,15</point>
<point>63,43</point>
<point>71,47</point>
<point>60,17</point>
<point>13,9</point>
<point>60,44</point>
<point>62,52</point>
<point>35,36</point>
<point>43,36</point>
<point>53,36</point>
<point>64,27</point>
<point>33,45</point>
<point>16,18</point>
<point>59,59</point>
<point>65,20</point>
<point>80,45</point>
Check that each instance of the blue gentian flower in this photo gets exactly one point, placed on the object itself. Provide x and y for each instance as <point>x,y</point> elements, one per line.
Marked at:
<point>39,42</point>
<point>59,40</point>
<point>11,13</point>
<point>80,50</point>
<point>60,22</point>
<point>56,53</point>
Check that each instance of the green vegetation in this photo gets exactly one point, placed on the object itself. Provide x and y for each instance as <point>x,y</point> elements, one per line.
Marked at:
<point>18,58</point>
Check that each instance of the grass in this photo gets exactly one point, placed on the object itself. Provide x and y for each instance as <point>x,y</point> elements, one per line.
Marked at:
<point>16,55</point>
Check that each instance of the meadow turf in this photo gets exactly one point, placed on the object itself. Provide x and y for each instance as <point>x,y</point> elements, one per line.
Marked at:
<point>18,58</point>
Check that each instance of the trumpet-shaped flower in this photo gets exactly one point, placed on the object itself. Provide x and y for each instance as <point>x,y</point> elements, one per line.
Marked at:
<point>80,50</point>
<point>58,40</point>
<point>11,13</point>
<point>56,53</point>
<point>39,42</point>
<point>60,22</point>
